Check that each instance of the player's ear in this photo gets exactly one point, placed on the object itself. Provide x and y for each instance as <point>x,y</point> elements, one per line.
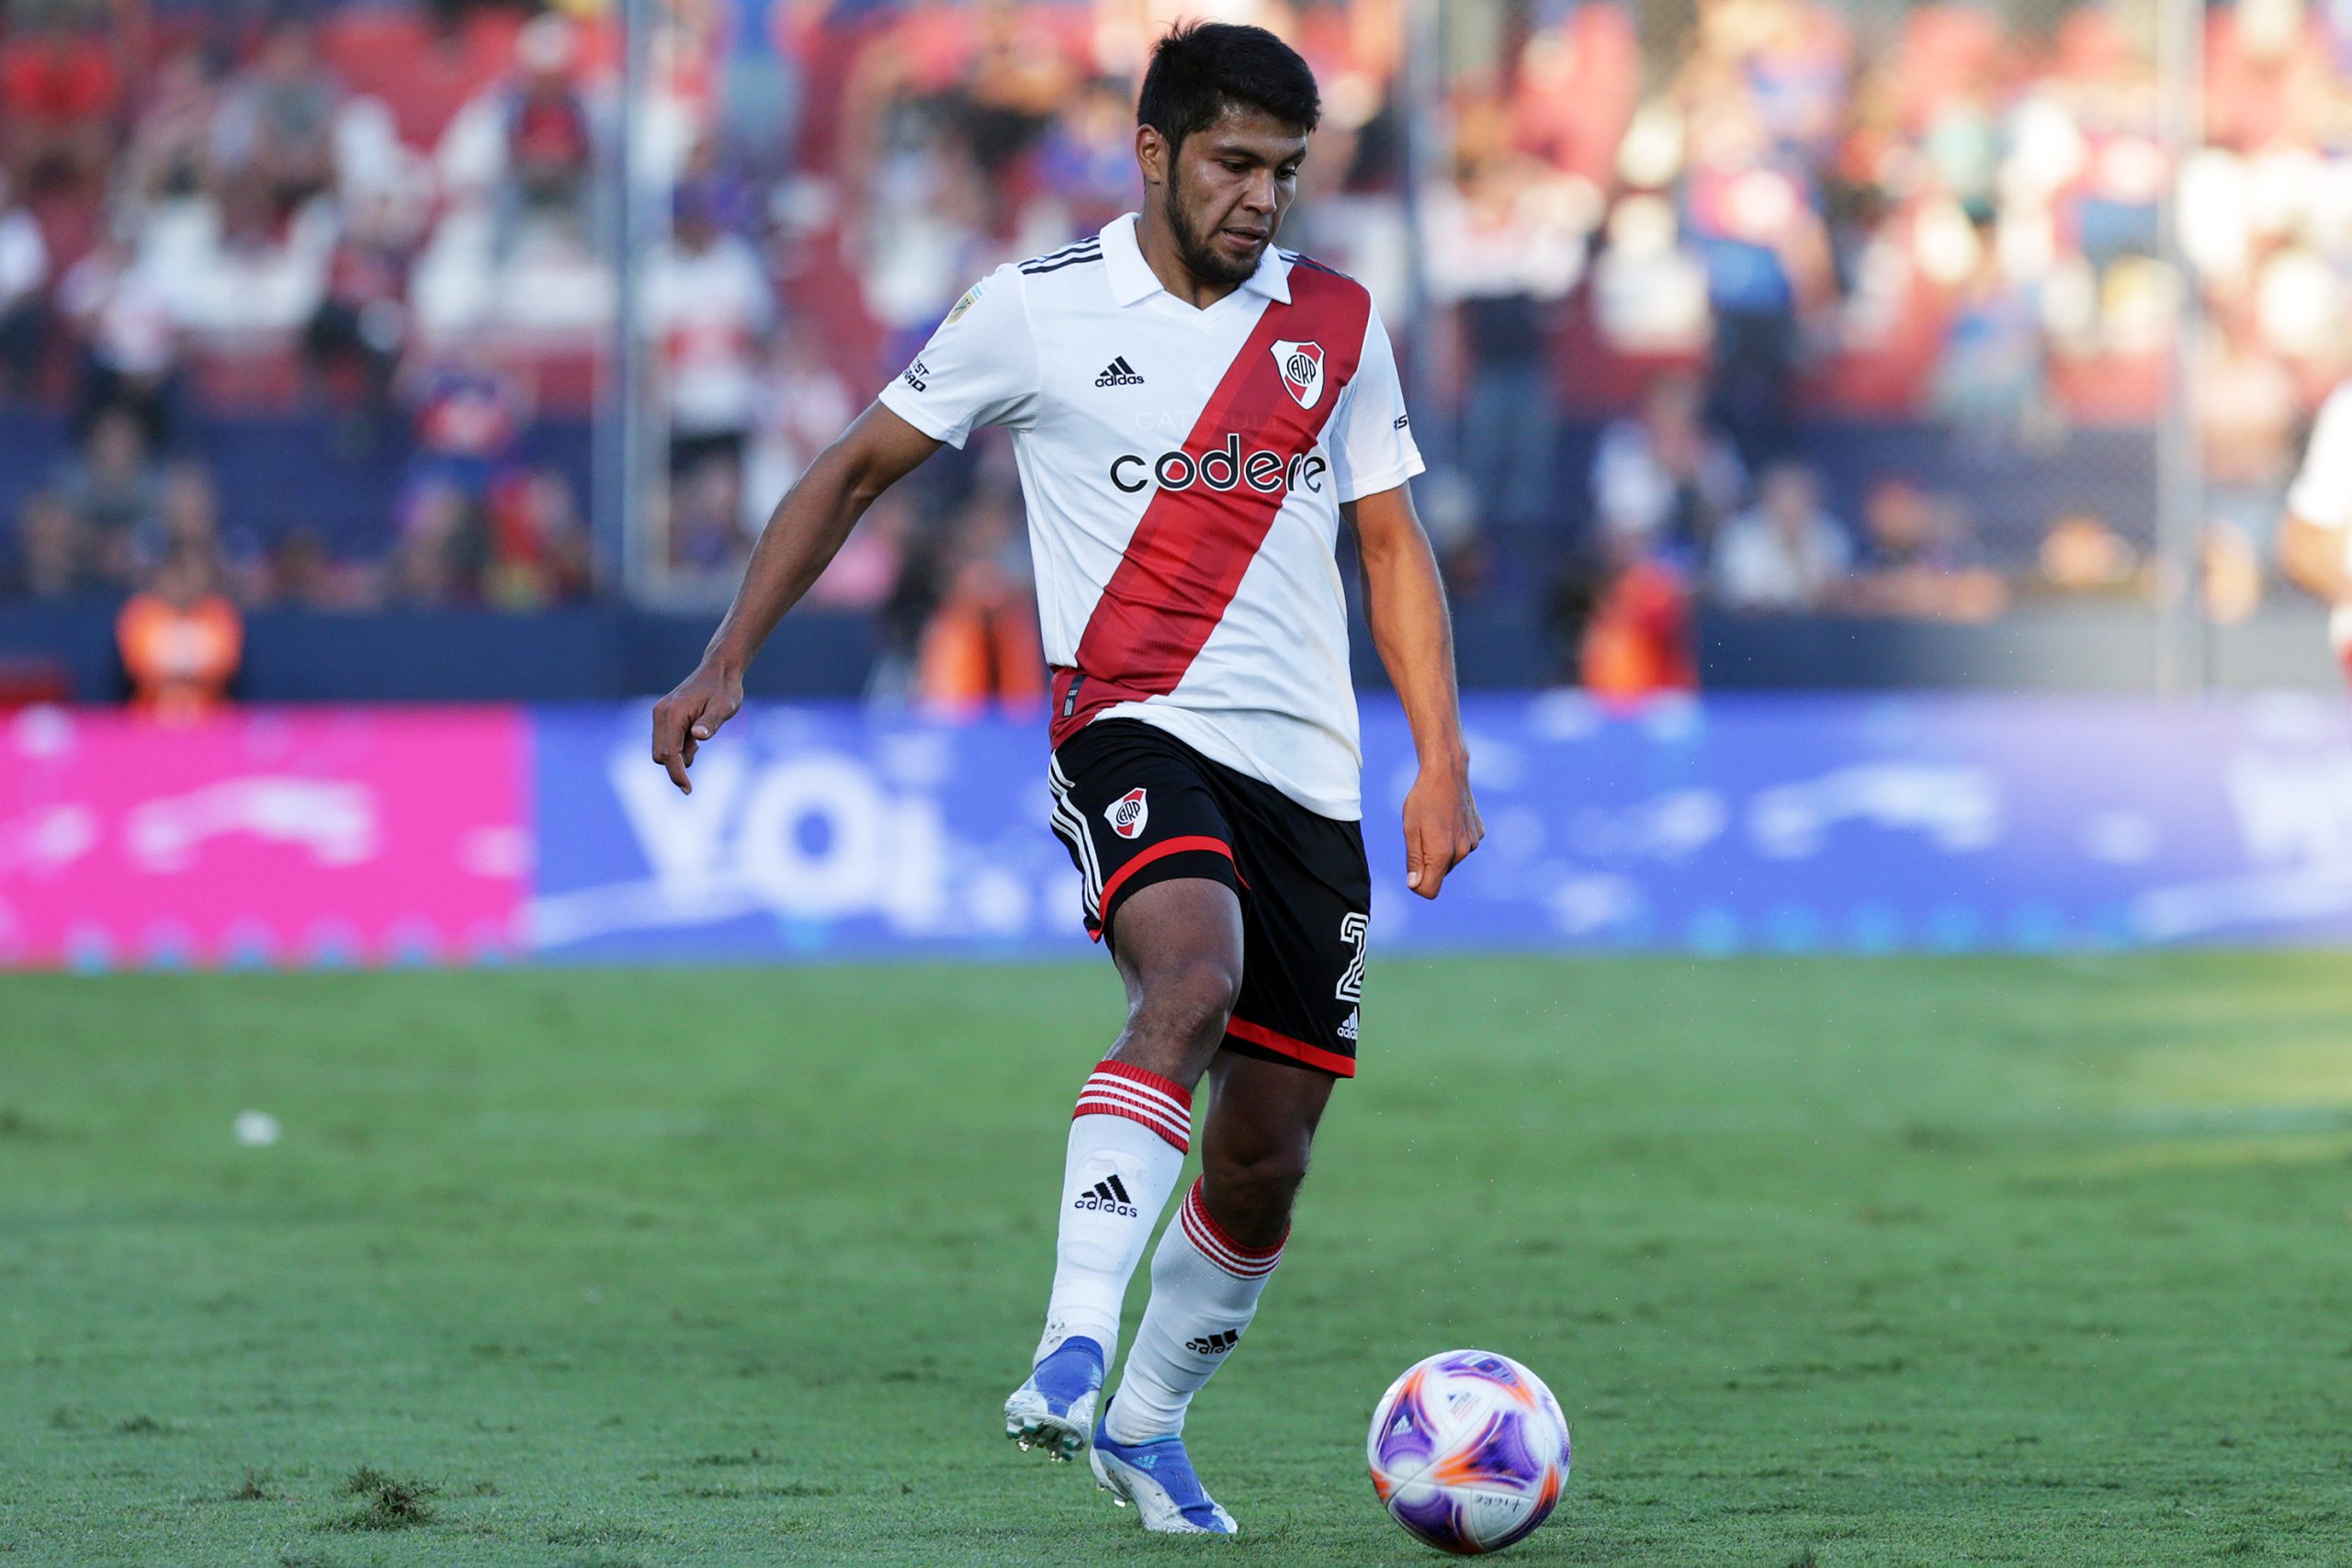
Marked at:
<point>1151,154</point>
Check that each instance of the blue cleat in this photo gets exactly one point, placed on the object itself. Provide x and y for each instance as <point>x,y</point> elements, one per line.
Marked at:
<point>1055,1409</point>
<point>1158,1478</point>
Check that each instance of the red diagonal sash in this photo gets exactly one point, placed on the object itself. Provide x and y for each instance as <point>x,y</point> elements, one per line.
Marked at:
<point>1191,546</point>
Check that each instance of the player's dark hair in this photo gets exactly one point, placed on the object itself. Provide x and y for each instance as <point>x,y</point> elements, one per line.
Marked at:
<point>1201,68</point>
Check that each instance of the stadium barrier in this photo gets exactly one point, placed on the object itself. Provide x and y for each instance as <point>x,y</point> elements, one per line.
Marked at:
<point>1786,824</point>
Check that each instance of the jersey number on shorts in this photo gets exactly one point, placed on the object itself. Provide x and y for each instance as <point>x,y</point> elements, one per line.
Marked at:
<point>1353,927</point>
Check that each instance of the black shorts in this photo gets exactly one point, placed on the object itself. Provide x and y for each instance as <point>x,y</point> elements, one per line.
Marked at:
<point>1134,805</point>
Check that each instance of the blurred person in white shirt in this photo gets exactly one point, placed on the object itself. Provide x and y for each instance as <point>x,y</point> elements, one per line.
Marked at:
<point>1665,479</point>
<point>1784,553</point>
<point>2315,539</point>
<point>123,314</point>
<point>711,303</point>
<point>1505,247</point>
<point>24,271</point>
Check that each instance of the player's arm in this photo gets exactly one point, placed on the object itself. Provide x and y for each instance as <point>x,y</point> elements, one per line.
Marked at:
<point>1405,600</point>
<point>802,536</point>
<point>2315,559</point>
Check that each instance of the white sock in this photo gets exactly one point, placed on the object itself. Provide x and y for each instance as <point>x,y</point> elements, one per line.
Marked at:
<point>1128,1140</point>
<point>1205,1288</point>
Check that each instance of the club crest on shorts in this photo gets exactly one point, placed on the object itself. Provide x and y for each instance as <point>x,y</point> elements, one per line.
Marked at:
<point>1128,814</point>
<point>1302,368</point>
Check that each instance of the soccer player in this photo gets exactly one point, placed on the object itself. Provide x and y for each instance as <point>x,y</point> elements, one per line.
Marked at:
<point>1195,412</point>
<point>2315,540</point>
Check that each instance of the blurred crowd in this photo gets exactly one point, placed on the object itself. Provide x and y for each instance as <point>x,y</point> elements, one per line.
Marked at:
<point>1701,237</point>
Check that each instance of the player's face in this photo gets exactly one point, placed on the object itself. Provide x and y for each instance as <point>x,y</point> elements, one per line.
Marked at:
<point>1225,191</point>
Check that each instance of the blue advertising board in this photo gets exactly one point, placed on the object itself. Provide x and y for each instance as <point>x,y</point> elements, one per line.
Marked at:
<point>1732,824</point>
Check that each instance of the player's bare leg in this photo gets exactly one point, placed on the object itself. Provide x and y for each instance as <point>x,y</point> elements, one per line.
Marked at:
<point>1261,1121</point>
<point>1178,945</point>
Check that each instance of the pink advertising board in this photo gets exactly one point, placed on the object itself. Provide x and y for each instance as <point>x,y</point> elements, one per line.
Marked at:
<point>285,835</point>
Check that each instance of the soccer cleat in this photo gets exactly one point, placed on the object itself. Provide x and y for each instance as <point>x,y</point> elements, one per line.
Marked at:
<point>1055,1409</point>
<point>1158,1478</point>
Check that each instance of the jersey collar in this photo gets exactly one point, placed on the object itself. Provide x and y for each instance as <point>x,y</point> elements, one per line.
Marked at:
<point>1132,278</point>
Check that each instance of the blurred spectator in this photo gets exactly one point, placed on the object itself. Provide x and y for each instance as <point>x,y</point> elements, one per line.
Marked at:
<point>707,535</point>
<point>980,644</point>
<point>800,404</point>
<point>244,265</point>
<point>180,639</point>
<point>1649,288</point>
<point>112,489</point>
<point>59,89</point>
<point>2229,573</point>
<point>120,310</point>
<point>1504,252</point>
<point>171,140</point>
<point>305,573</point>
<point>53,558</point>
<point>537,547</point>
<point>1664,481</point>
<point>1575,93</point>
<point>529,143</point>
<point>1750,206</point>
<point>1638,643</point>
<point>761,94</point>
<point>437,555</point>
<point>1919,563</point>
<point>468,412</point>
<point>361,324</point>
<point>1988,385</point>
<point>708,302</point>
<point>24,273</point>
<point>2081,554</point>
<point>188,520</point>
<point>1785,553</point>
<point>276,122</point>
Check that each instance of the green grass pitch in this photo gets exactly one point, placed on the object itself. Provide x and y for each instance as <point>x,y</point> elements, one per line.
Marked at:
<point>1867,1263</point>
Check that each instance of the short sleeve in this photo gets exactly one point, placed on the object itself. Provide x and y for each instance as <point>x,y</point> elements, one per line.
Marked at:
<point>2321,495</point>
<point>1370,438</point>
<point>979,367</point>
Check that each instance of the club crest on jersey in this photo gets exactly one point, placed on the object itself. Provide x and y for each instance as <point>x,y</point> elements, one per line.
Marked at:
<point>1128,814</point>
<point>1302,368</point>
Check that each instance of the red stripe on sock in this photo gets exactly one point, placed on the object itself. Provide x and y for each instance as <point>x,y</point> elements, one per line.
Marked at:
<point>1219,1247</point>
<point>1141,1096</point>
<point>1147,1078</point>
<point>1181,1143</point>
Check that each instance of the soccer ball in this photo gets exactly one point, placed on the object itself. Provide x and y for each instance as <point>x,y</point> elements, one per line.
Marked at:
<point>1468,1451</point>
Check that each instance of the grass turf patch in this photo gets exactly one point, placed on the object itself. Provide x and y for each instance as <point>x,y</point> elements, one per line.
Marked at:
<point>1832,1263</point>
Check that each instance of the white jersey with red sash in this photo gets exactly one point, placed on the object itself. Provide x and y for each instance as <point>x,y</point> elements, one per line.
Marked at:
<point>1183,471</point>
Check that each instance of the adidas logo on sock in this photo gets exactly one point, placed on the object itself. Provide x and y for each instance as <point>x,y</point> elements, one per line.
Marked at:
<point>1109,1196</point>
<point>1213,1344</point>
<point>1119,373</point>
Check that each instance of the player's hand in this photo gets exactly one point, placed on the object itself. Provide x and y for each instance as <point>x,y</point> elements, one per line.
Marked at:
<point>692,715</point>
<point>1442,827</point>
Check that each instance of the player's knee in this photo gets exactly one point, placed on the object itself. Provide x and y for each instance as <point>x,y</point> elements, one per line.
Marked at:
<point>1252,1191</point>
<point>1193,1000</point>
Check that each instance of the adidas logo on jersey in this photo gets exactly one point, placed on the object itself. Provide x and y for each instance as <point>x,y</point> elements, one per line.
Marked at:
<point>1108,1196</point>
<point>1119,373</point>
<point>1213,1344</point>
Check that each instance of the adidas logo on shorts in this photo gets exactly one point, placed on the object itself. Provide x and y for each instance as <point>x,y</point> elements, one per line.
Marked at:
<point>1109,1196</point>
<point>1213,1344</point>
<point>1119,373</point>
<point>1348,1024</point>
